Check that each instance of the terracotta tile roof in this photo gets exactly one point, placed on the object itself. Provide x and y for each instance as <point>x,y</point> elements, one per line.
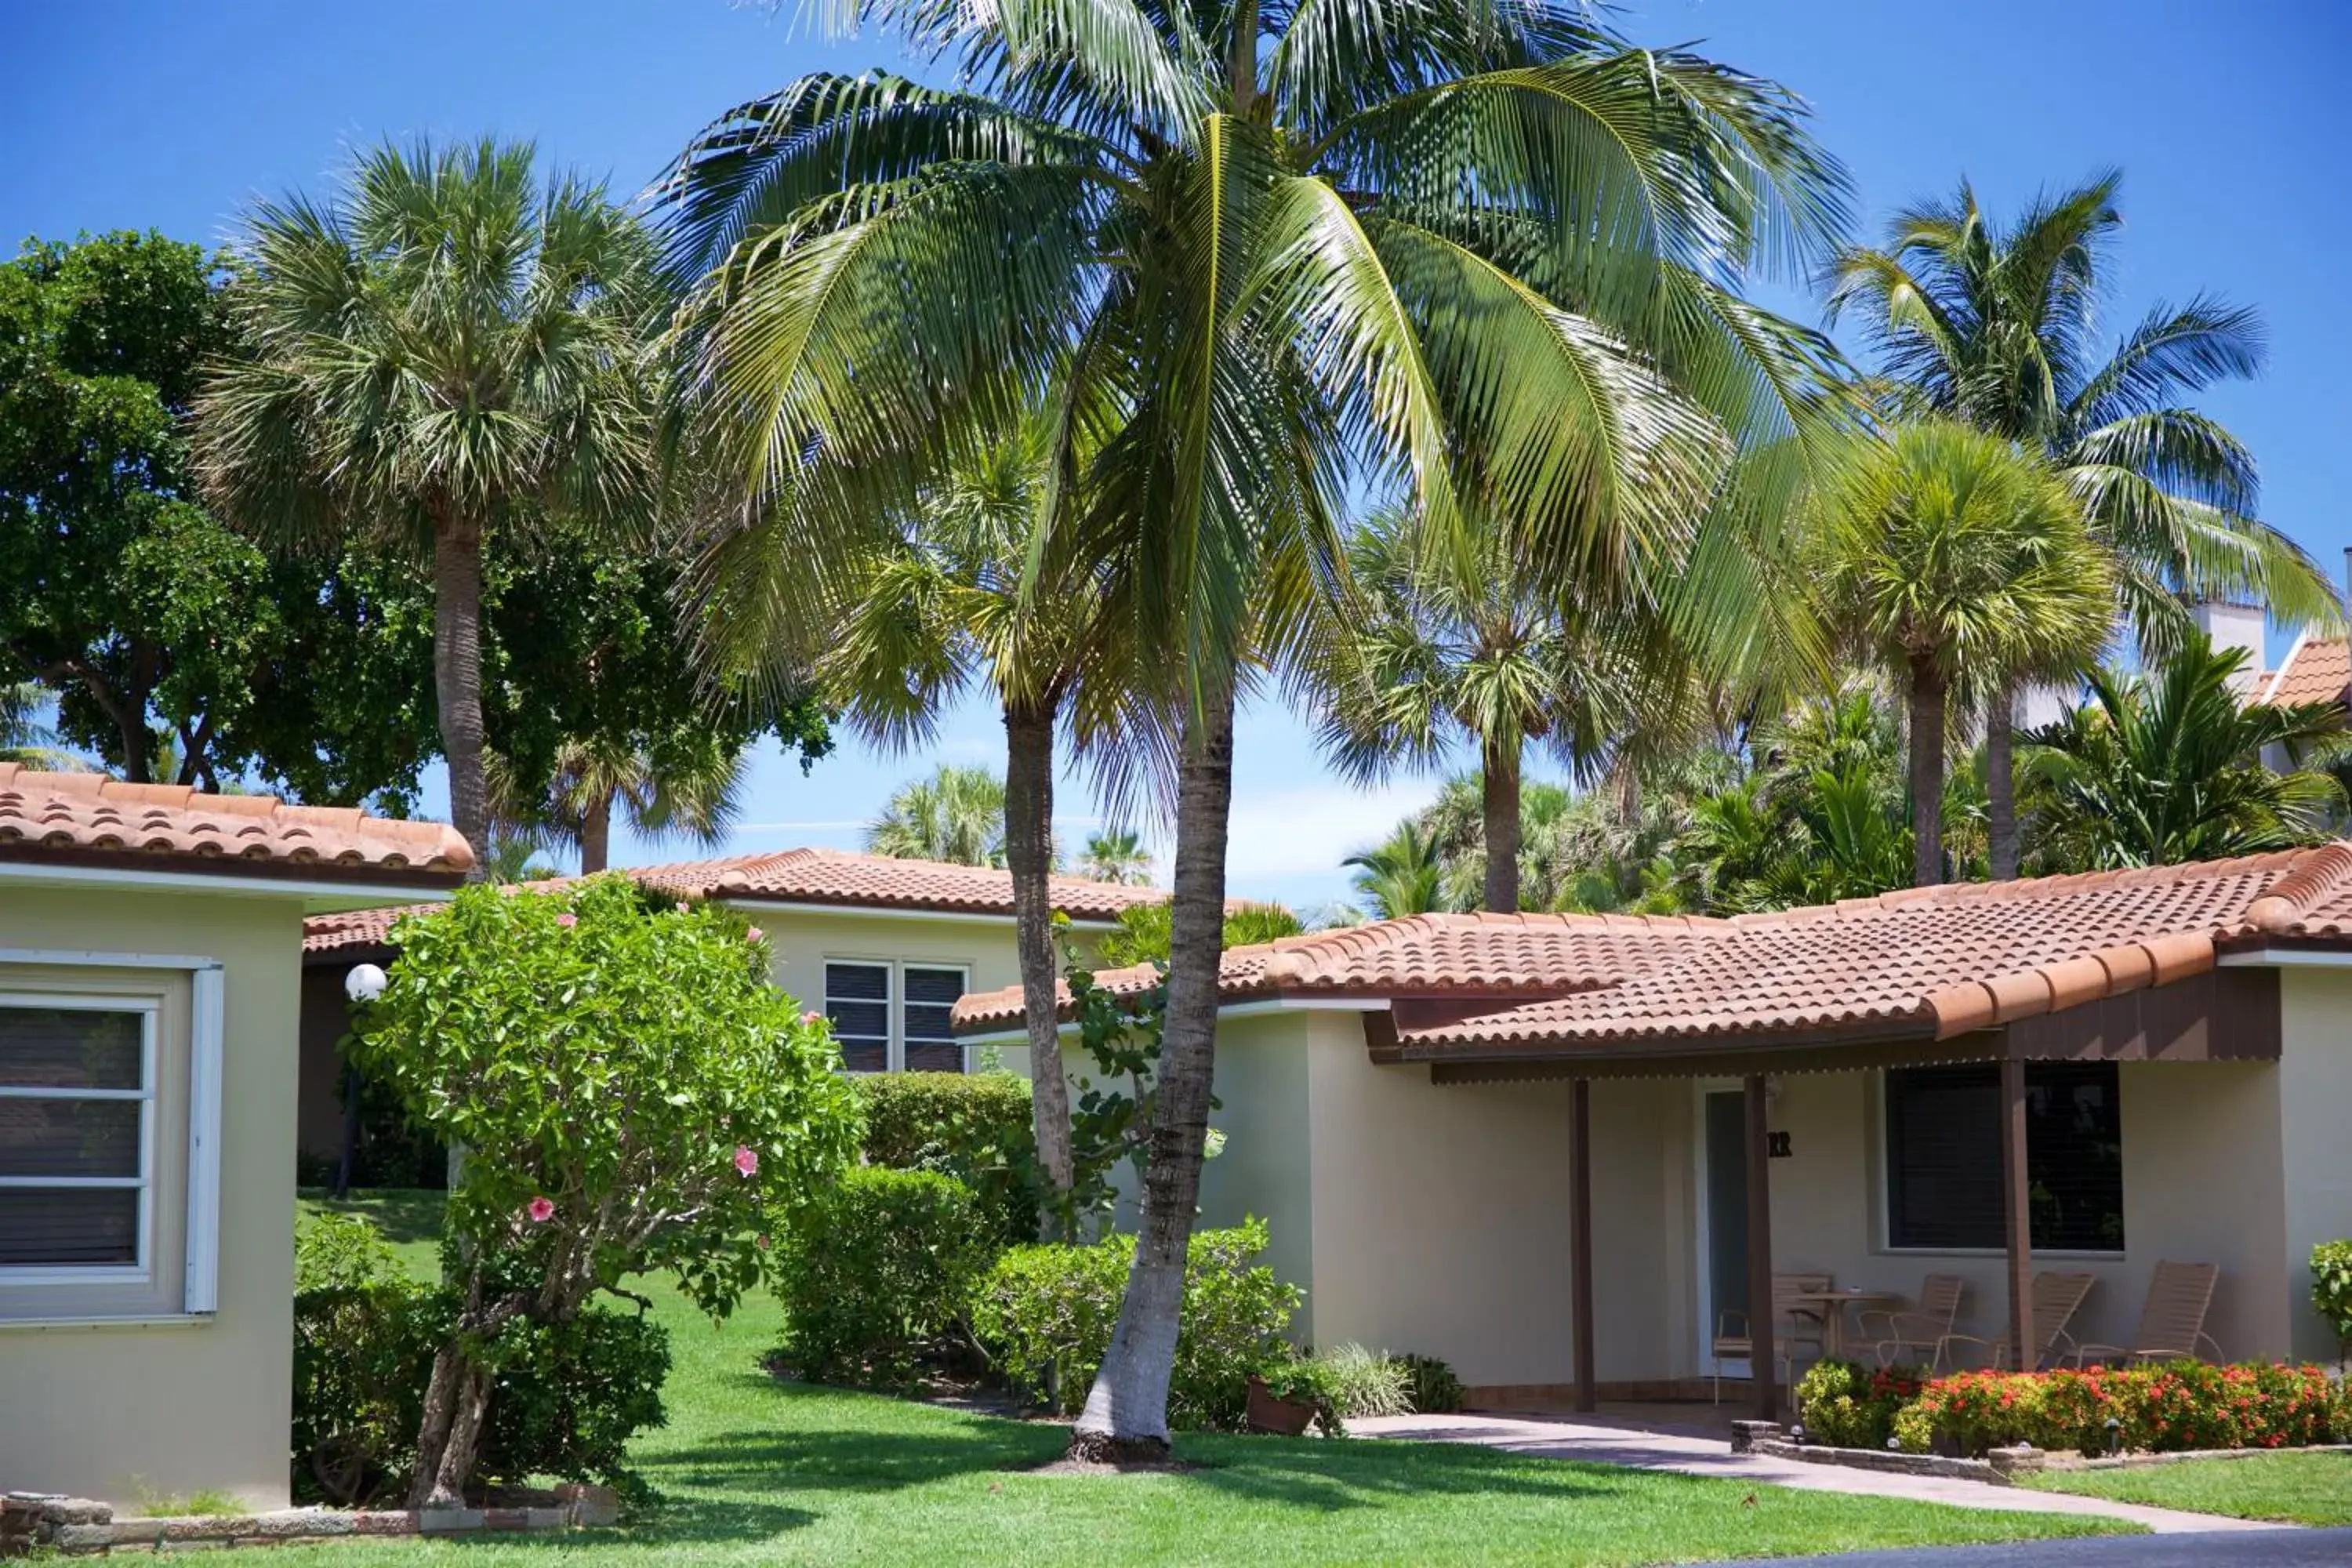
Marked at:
<point>2316,670</point>
<point>1932,962</point>
<point>1434,954</point>
<point>89,819</point>
<point>836,877</point>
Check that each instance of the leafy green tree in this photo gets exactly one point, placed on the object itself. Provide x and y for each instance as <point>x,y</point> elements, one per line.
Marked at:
<point>1953,559</point>
<point>2168,766</point>
<point>1401,875</point>
<point>1145,932</point>
<point>633,1096</point>
<point>1998,327</point>
<point>445,353</point>
<point>1488,256</point>
<point>957,815</point>
<point>1455,644</point>
<point>1117,856</point>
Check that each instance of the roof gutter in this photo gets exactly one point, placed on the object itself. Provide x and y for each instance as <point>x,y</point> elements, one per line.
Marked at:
<point>319,895</point>
<point>889,912</point>
<point>2271,956</point>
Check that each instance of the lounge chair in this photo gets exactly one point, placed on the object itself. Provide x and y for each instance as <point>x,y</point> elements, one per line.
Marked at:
<point>2056,1299</point>
<point>2173,1324</point>
<point>1794,1327</point>
<point>1922,1327</point>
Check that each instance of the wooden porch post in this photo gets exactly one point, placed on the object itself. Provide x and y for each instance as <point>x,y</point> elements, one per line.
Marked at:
<point>1580,1247</point>
<point>1762,1364</point>
<point>2016,1214</point>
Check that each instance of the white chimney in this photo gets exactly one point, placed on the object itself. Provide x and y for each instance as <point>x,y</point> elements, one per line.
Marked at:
<point>2235,625</point>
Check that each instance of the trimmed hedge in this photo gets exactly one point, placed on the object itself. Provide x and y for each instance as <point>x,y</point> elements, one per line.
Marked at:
<point>1047,1313</point>
<point>1848,1405</point>
<point>878,1272</point>
<point>2162,1408</point>
<point>974,1127</point>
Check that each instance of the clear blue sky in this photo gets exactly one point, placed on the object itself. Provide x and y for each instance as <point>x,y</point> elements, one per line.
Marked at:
<point>2228,121</point>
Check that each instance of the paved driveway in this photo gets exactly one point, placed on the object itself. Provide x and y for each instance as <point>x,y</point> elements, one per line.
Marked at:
<point>1698,1456</point>
<point>2232,1549</point>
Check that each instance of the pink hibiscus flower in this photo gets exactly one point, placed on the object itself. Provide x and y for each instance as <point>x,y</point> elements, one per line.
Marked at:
<point>747,1160</point>
<point>542,1210</point>
<point>756,934</point>
<point>567,919</point>
<point>812,1018</point>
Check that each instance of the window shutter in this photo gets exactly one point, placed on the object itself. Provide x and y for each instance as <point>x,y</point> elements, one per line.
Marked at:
<point>201,1292</point>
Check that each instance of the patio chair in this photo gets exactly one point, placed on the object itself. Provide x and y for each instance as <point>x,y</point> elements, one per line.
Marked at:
<point>1795,1326</point>
<point>2056,1299</point>
<point>1922,1327</point>
<point>2173,1324</point>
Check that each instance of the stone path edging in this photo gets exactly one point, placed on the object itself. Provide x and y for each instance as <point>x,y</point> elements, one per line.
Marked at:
<point>76,1527</point>
<point>1556,1440</point>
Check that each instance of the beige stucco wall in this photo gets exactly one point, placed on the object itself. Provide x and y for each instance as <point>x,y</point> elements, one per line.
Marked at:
<point>2316,1137</point>
<point>1266,1167</point>
<point>2200,1185</point>
<point>173,1409</point>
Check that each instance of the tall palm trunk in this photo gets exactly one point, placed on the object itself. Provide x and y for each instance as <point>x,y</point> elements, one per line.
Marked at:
<point>1927,699</point>
<point>457,678</point>
<point>1028,840</point>
<point>2000,786</point>
<point>1126,1414</point>
<point>596,834</point>
<point>1499,774</point>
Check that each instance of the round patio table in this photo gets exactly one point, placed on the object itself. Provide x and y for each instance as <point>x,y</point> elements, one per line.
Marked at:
<point>1833,1305</point>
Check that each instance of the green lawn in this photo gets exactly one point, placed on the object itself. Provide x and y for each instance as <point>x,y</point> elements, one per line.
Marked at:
<point>410,1220</point>
<point>2297,1488</point>
<point>759,1472</point>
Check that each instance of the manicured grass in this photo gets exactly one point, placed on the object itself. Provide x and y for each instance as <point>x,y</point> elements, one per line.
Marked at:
<point>2296,1489</point>
<point>755,1472</point>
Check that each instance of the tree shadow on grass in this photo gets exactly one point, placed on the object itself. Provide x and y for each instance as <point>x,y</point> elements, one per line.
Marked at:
<point>405,1215</point>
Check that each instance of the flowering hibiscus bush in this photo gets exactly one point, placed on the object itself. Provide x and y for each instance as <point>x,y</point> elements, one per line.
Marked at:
<point>1849,1405</point>
<point>2158,1408</point>
<point>631,1095</point>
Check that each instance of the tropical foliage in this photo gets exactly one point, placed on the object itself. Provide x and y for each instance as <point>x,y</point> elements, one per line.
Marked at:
<point>1117,856</point>
<point>957,815</point>
<point>1401,875</point>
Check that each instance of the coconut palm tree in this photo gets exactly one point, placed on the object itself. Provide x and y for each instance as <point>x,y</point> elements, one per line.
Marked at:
<point>2168,766</point>
<point>1999,327</point>
<point>428,360</point>
<point>1117,856</point>
<point>957,815</point>
<point>690,788</point>
<point>1453,642</point>
<point>1399,875</point>
<point>1953,558</point>
<point>1487,256</point>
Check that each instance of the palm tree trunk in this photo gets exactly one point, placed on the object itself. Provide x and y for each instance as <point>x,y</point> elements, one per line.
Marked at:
<point>1028,837</point>
<point>2000,786</point>
<point>1126,1414</point>
<point>597,835</point>
<point>1926,771</point>
<point>1499,775</point>
<point>457,678</point>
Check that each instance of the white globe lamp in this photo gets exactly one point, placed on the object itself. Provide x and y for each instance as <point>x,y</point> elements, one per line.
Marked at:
<point>365,983</point>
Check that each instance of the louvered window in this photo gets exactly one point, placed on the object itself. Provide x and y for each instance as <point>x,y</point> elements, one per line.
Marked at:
<point>77,1134</point>
<point>930,1042</point>
<point>1943,1157</point>
<point>857,1001</point>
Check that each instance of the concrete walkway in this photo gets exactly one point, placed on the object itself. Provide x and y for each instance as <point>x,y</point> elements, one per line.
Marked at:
<point>1609,1444</point>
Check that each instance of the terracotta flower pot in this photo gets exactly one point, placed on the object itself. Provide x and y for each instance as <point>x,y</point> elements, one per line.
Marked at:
<point>1268,1412</point>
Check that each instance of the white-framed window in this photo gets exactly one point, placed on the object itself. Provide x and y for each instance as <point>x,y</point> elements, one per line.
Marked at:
<point>78,1171</point>
<point>110,1135</point>
<point>893,1015</point>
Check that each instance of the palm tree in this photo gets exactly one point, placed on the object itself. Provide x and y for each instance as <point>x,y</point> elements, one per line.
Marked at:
<point>2163,768</point>
<point>426,361</point>
<point>1453,640</point>
<point>25,737</point>
<point>689,788</point>
<point>1953,559</point>
<point>957,815</point>
<point>1485,256</point>
<point>1400,875</point>
<point>1999,327</point>
<point>1117,856</point>
<point>516,857</point>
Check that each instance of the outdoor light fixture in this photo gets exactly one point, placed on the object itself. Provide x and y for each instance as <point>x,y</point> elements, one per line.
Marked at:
<point>2115,1436</point>
<point>365,983</point>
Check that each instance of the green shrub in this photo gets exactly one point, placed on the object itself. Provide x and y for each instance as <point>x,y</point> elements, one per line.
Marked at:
<point>342,1252</point>
<point>880,1269</point>
<point>2158,1409</point>
<point>1145,932</point>
<point>1366,1382</point>
<point>1434,1390</point>
<point>975,1127</point>
<point>2331,1290</point>
<point>565,1398</point>
<point>1047,1313</point>
<point>1848,1405</point>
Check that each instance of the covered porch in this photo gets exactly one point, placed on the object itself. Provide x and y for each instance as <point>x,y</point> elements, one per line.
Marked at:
<point>2097,1138</point>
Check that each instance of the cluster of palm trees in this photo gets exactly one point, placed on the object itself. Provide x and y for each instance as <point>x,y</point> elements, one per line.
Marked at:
<point>1065,379</point>
<point>956,814</point>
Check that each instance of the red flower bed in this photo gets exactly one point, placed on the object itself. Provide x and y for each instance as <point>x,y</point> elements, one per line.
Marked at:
<point>2176,1405</point>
